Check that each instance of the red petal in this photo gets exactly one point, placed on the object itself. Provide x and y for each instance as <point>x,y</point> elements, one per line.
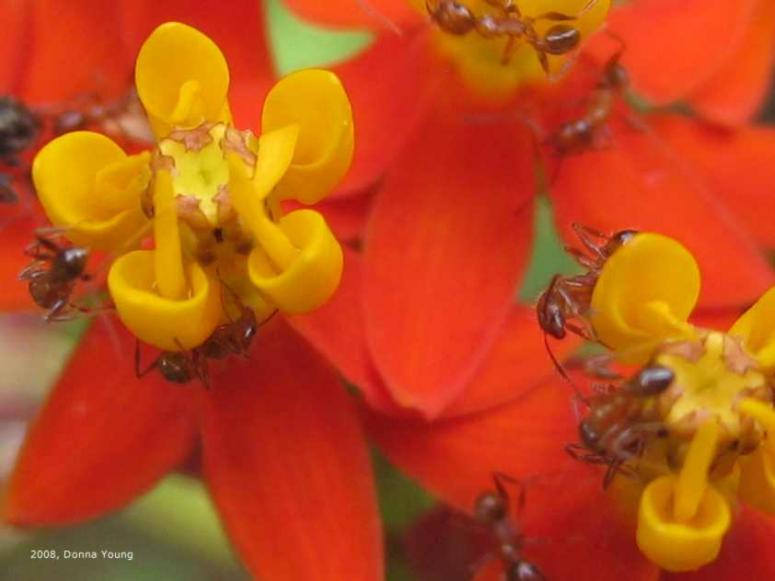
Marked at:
<point>16,20</point>
<point>738,89</point>
<point>74,50</point>
<point>519,352</point>
<point>238,28</point>
<point>662,53</point>
<point>346,215</point>
<point>745,554</point>
<point>336,330</point>
<point>103,438</point>
<point>455,458</point>
<point>640,182</point>
<point>565,510</point>
<point>389,85</point>
<point>738,165</point>
<point>289,468</point>
<point>15,235</point>
<point>376,14</point>
<point>448,240</point>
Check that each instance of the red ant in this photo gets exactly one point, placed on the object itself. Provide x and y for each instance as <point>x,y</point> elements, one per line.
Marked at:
<point>580,134</point>
<point>620,422</point>
<point>176,366</point>
<point>456,18</point>
<point>569,297</point>
<point>53,274</point>
<point>492,510</point>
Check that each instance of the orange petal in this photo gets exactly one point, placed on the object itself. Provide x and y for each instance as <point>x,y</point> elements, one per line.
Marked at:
<point>14,42</point>
<point>683,45</point>
<point>238,29</point>
<point>375,14</point>
<point>745,554</point>
<point>103,438</point>
<point>565,509</point>
<point>737,90</point>
<point>288,466</point>
<point>75,50</point>
<point>336,330</point>
<point>390,86</point>
<point>448,240</point>
<point>516,363</point>
<point>640,182</point>
<point>737,165</point>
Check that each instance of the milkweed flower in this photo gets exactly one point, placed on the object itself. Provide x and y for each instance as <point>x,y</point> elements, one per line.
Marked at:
<point>211,196</point>
<point>691,452</point>
<point>449,164</point>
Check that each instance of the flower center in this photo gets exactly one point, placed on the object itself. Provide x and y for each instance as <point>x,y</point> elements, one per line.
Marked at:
<point>712,376</point>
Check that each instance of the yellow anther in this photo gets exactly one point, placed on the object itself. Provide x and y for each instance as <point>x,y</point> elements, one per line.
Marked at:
<point>168,259</point>
<point>644,295</point>
<point>693,478</point>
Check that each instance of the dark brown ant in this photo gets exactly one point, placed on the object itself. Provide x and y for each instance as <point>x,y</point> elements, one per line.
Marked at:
<point>492,509</point>
<point>581,134</point>
<point>232,338</point>
<point>53,274</point>
<point>19,130</point>
<point>569,297</point>
<point>179,367</point>
<point>456,18</point>
<point>620,422</point>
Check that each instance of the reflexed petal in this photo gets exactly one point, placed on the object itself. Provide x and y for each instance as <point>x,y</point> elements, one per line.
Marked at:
<point>337,331</point>
<point>517,362</point>
<point>239,30</point>
<point>376,14</point>
<point>288,466</point>
<point>390,85</point>
<point>565,510</point>
<point>736,164</point>
<point>738,89</point>
<point>664,65</point>
<point>69,57</point>
<point>745,554</point>
<point>102,438</point>
<point>447,242</point>
<point>640,182</point>
<point>757,328</point>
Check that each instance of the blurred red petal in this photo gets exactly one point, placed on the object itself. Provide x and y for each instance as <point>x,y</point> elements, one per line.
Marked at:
<point>288,466</point>
<point>103,438</point>
<point>737,165</point>
<point>671,47</point>
<point>337,331</point>
<point>737,90</point>
<point>447,242</point>
<point>16,19</point>
<point>15,235</point>
<point>74,49</point>
<point>517,362</point>
<point>375,14</point>
<point>455,458</point>
<point>237,27</point>
<point>746,552</point>
<point>389,85</point>
<point>640,182</point>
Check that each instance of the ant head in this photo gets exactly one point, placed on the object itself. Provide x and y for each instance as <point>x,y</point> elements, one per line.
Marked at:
<point>589,435</point>
<point>618,240</point>
<point>524,571</point>
<point>490,507</point>
<point>451,16</point>
<point>74,260</point>
<point>560,39</point>
<point>175,367</point>
<point>651,380</point>
<point>18,126</point>
<point>550,316</point>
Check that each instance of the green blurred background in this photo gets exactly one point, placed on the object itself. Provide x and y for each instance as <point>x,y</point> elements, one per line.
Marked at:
<point>173,531</point>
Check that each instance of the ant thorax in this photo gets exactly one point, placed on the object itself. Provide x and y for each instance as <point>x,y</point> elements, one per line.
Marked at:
<point>497,45</point>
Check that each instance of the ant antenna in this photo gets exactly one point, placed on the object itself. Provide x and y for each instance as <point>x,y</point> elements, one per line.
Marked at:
<point>372,12</point>
<point>564,373</point>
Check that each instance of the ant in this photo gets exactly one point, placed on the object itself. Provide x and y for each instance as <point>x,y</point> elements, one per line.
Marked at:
<point>569,297</point>
<point>456,18</point>
<point>492,509</point>
<point>53,274</point>
<point>176,366</point>
<point>233,338</point>
<point>19,130</point>
<point>621,420</point>
<point>580,134</point>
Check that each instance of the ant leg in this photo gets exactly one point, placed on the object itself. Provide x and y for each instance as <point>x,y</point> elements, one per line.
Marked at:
<point>138,373</point>
<point>501,479</point>
<point>580,257</point>
<point>57,312</point>
<point>507,50</point>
